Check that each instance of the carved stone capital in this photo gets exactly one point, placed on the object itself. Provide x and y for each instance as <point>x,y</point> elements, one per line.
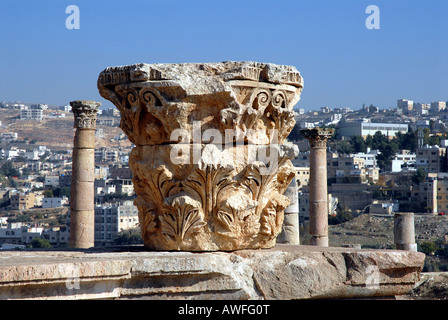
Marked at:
<point>317,137</point>
<point>253,100</point>
<point>210,164</point>
<point>85,113</point>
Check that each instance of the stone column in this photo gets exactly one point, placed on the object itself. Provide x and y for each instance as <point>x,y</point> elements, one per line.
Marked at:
<point>317,138</point>
<point>82,212</point>
<point>290,230</point>
<point>404,231</point>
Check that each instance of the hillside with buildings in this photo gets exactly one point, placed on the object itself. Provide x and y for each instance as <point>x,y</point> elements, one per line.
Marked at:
<point>379,161</point>
<point>36,143</point>
<point>382,161</point>
<point>54,129</point>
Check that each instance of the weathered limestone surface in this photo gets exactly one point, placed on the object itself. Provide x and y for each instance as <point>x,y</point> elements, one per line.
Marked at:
<point>282,272</point>
<point>211,163</point>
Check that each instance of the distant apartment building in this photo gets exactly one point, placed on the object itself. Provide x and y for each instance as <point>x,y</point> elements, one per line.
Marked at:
<point>22,201</point>
<point>19,234</point>
<point>51,181</point>
<point>334,119</point>
<point>350,169</point>
<point>403,161</point>
<point>405,104</point>
<point>31,114</point>
<point>111,219</point>
<point>39,106</point>
<point>9,154</point>
<point>442,195</point>
<point>437,106</point>
<point>369,157</point>
<point>421,124</point>
<point>104,154</point>
<point>65,108</point>
<point>422,108</point>
<point>308,125</point>
<point>124,157</point>
<point>343,110</point>
<point>384,207</point>
<point>359,128</point>
<point>303,176</point>
<point>356,196</point>
<point>8,136</point>
<point>123,186</point>
<point>51,203</point>
<point>106,122</point>
<point>101,171</point>
<point>15,106</point>
<point>120,172</point>
<point>57,236</point>
<point>65,180</point>
<point>103,187</point>
<point>32,154</point>
<point>112,112</point>
<point>434,192</point>
<point>340,166</point>
<point>431,159</point>
<point>359,167</point>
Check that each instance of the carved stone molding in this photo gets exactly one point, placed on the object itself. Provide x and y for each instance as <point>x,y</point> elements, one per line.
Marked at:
<point>248,98</point>
<point>85,113</point>
<point>211,163</point>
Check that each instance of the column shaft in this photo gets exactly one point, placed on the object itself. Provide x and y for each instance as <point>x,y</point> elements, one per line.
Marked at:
<point>82,213</point>
<point>290,229</point>
<point>404,231</point>
<point>318,197</point>
<point>317,138</point>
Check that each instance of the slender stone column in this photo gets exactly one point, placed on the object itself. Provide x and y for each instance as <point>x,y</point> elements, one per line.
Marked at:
<point>317,138</point>
<point>404,231</point>
<point>290,230</point>
<point>82,212</point>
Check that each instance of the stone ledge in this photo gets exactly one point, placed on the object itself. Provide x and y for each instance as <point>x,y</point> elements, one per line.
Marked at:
<point>283,272</point>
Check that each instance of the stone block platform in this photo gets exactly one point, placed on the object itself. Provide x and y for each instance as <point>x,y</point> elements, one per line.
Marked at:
<point>284,272</point>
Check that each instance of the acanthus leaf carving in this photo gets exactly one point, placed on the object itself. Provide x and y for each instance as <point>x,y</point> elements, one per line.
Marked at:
<point>161,185</point>
<point>181,218</point>
<point>207,182</point>
<point>236,216</point>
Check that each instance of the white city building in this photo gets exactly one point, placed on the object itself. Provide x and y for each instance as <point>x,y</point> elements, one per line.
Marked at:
<point>111,219</point>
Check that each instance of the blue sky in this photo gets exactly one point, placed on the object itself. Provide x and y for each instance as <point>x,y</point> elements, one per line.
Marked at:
<point>343,63</point>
